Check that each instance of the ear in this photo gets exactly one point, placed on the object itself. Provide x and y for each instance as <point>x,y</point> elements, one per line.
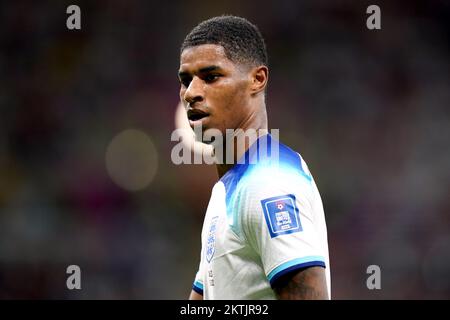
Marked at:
<point>259,77</point>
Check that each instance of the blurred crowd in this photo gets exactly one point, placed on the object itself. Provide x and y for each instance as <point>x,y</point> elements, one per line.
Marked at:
<point>368,110</point>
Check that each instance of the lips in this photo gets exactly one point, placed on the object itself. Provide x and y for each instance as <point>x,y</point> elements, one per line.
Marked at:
<point>196,115</point>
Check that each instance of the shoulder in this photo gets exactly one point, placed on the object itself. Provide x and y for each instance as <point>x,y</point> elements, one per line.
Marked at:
<point>282,173</point>
<point>278,173</point>
<point>284,169</point>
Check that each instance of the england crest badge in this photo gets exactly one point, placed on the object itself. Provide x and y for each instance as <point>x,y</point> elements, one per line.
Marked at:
<point>211,239</point>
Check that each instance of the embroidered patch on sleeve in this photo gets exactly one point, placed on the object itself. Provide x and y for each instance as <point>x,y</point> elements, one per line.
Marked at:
<point>282,215</point>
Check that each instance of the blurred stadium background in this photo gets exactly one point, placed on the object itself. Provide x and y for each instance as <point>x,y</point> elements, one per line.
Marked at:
<point>368,110</point>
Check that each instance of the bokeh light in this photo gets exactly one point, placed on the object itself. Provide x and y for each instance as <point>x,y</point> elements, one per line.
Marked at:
<point>132,160</point>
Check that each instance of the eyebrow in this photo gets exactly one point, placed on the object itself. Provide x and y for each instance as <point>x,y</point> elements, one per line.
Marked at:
<point>202,70</point>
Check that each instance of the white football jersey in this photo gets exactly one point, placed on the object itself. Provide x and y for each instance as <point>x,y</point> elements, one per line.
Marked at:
<point>264,219</point>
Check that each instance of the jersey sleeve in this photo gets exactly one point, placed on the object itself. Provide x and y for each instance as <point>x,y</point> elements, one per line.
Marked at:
<point>278,221</point>
<point>198,284</point>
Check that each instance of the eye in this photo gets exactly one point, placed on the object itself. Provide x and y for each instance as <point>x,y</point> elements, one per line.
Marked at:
<point>211,77</point>
<point>185,81</point>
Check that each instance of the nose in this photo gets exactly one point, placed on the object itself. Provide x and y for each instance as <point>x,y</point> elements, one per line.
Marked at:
<point>194,93</point>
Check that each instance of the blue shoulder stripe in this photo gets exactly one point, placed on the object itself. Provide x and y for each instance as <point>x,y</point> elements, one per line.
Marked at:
<point>255,157</point>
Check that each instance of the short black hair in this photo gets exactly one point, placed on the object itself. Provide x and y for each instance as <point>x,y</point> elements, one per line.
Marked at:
<point>240,38</point>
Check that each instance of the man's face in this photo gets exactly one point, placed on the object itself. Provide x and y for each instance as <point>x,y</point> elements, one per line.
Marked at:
<point>214,90</point>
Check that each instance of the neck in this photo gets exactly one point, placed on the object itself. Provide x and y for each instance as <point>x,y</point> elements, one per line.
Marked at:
<point>240,141</point>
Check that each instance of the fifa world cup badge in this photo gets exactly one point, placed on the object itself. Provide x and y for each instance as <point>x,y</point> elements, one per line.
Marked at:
<point>282,215</point>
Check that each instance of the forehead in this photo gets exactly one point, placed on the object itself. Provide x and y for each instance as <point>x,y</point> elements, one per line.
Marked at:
<point>204,55</point>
